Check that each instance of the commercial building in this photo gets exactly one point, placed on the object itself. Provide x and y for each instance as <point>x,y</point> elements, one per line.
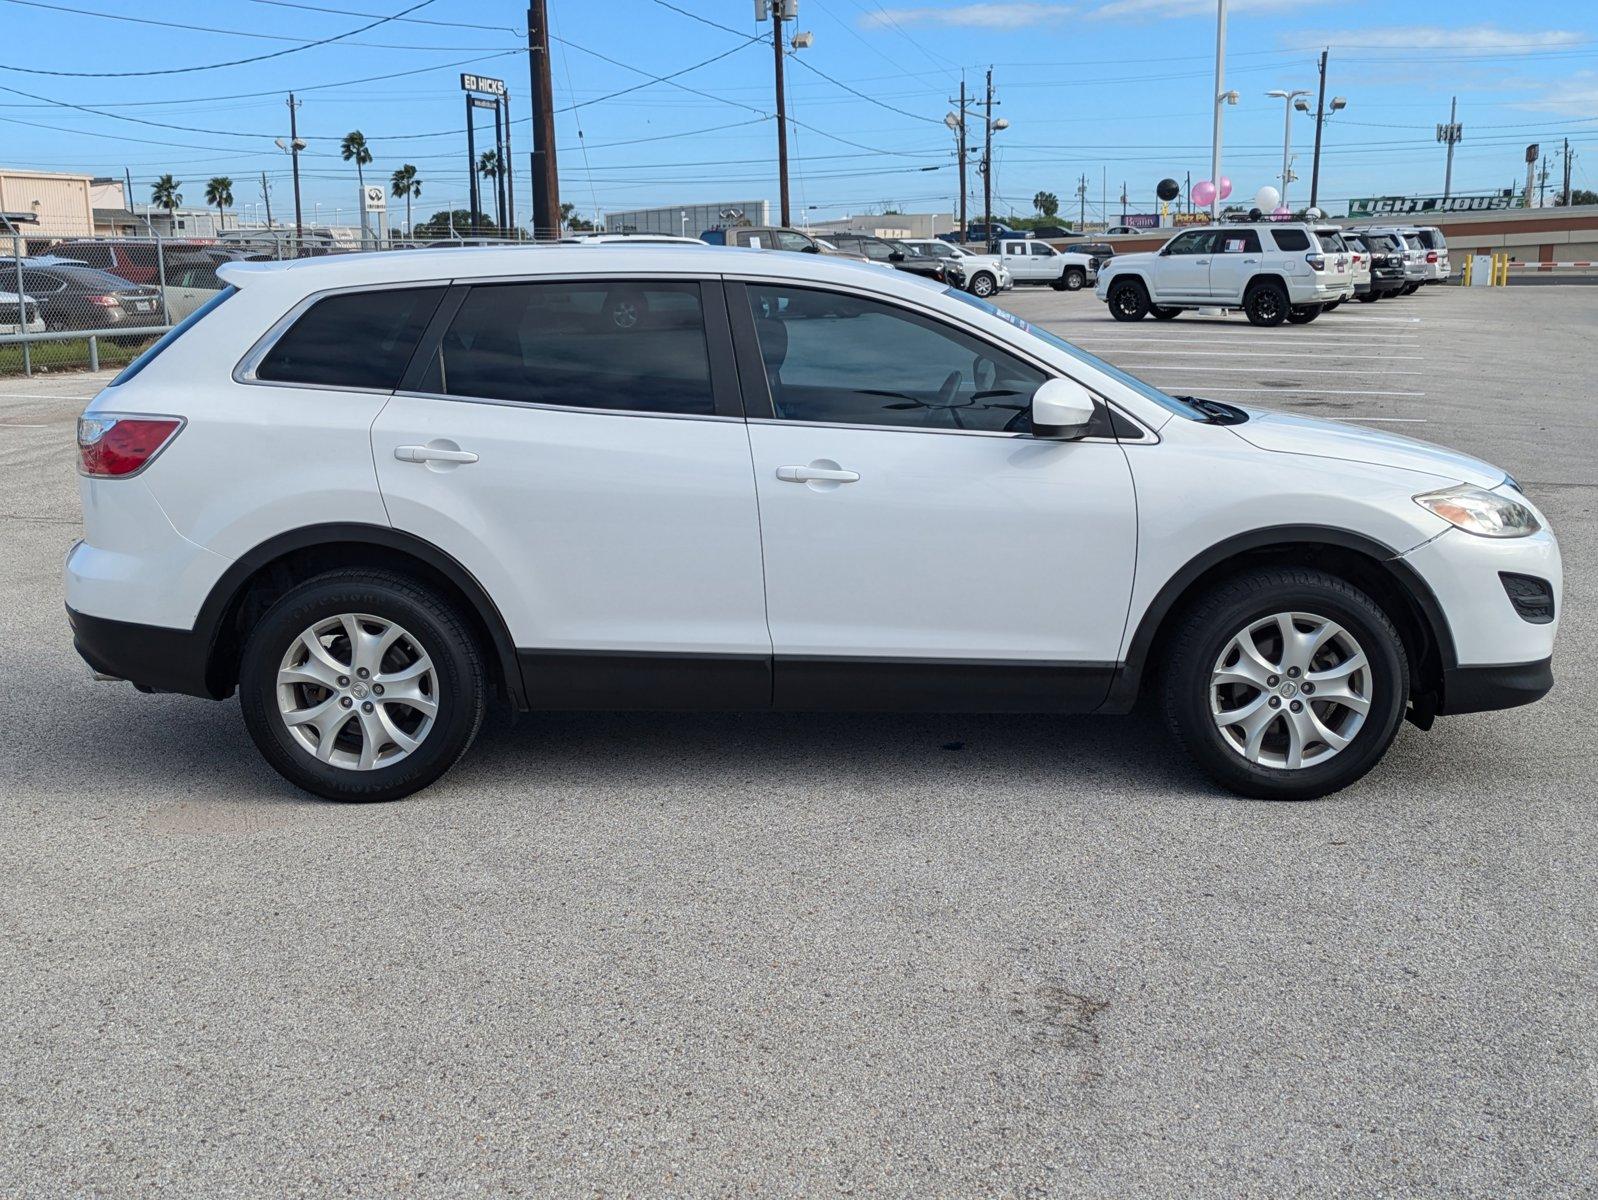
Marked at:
<point>690,220</point>
<point>45,204</point>
<point>894,225</point>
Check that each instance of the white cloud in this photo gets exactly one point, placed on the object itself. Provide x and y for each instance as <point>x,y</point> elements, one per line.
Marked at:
<point>1483,39</point>
<point>970,16</point>
<point>1576,95</point>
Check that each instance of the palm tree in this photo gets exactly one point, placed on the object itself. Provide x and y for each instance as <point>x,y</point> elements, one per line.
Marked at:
<point>1047,203</point>
<point>488,168</point>
<point>164,194</point>
<point>220,193</point>
<point>354,149</point>
<point>405,183</point>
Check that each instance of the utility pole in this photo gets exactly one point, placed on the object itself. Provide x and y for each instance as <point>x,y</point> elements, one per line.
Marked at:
<point>987,163</point>
<point>782,109</point>
<point>473,196</point>
<point>1220,83</point>
<point>266,195</point>
<point>499,166</point>
<point>1542,183</point>
<point>546,175</point>
<point>1566,191</point>
<point>294,153</point>
<point>1082,199</point>
<point>959,133</point>
<point>1450,133</point>
<point>1123,202</point>
<point>1320,117</point>
<point>510,170</point>
<point>1188,195</point>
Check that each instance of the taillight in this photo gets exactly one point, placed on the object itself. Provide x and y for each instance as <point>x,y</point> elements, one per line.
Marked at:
<point>103,301</point>
<point>1317,262</point>
<point>1431,256</point>
<point>111,446</point>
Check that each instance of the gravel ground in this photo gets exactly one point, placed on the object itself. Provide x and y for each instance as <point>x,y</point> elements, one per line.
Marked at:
<point>785,955</point>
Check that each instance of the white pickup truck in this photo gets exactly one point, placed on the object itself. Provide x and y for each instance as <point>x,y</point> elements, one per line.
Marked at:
<point>1032,261</point>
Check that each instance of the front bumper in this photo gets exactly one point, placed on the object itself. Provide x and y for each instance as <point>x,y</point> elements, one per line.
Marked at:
<point>1486,689</point>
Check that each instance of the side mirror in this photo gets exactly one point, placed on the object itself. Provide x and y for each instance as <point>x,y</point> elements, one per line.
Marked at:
<point>812,248</point>
<point>1062,410</point>
<point>896,256</point>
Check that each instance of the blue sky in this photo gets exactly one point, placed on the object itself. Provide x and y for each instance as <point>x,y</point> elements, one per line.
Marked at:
<point>1113,89</point>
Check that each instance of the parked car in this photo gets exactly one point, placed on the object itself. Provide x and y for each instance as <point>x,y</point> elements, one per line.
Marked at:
<point>134,261</point>
<point>1033,261</point>
<point>1436,245</point>
<point>630,239</point>
<point>1098,253</point>
<point>1333,241</point>
<point>191,282</point>
<point>1120,230</point>
<point>1386,265</point>
<point>1274,272</point>
<point>72,297</point>
<point>316,492</point>
<point>1412,249</point>
<point>897,254</point>
<point>1056,232</point>
<point>772,237</point>
<point>19,314</point>
<point>980,231</point>
<point>983,274</point>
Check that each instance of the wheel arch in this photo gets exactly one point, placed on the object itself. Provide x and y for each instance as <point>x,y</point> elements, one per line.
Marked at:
<point>270,569</point>
<point>1376,568</point>
<point>1254,281</point>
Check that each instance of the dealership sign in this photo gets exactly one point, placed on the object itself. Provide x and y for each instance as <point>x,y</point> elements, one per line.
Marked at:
<point>1402,206</point>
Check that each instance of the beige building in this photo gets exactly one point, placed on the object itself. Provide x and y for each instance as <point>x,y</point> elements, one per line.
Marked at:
<point>43,204</point>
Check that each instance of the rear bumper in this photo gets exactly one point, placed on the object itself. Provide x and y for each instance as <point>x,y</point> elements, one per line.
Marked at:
<point>151,657</point>
<point>1484,689</point>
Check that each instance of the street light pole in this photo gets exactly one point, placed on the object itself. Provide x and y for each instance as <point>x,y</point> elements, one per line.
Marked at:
<point>782,110</point>
<point>987,163</point>
<point>1287,99</point>
<point>1220,98</point>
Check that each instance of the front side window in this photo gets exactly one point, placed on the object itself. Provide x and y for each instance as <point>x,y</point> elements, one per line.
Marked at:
<point>631,345</point>
<point>1196,241</point>
<point>844,359</point>
<point>797,242</point>
<point>354,339</point>
<point>1041,250</point>
<point>1290,239</point>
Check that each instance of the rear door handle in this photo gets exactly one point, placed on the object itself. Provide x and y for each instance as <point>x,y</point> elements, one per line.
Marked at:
<point>426,454</point>
<point>816,475</point>
<point>1201,262</point>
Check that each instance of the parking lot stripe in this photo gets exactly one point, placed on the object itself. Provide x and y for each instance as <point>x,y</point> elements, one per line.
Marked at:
<point>1328,339</point>
<point>1385,420</point>
<point>1317,391</point>
<point>1245,354</point>
<point>1136,366</point>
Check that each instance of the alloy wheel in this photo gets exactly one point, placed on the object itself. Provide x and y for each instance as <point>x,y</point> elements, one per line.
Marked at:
<point>357,691</point>
<point>1290,690</point>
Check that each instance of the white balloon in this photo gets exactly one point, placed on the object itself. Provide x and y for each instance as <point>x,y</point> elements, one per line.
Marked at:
<point>1267,199</point>
<point>1313,214</point>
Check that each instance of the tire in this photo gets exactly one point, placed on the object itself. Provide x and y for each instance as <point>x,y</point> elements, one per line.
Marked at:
<point>1205,647</point>
<point>356,765</point>
<point>1304,315</point>
<point>1266,304</point>
<point>1326,308</point>
<point>1370,297</point>
<point>1411,288</point>
<point>1074,279</point>
<point>1128,300</point>
<point>983,284</point>
<point>1162,313</point>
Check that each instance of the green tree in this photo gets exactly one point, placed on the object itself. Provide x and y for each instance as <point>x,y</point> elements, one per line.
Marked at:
<point>1578,196</point>
<point>404,182</point>
<point>570,220</point>
<point>354,149</point>
<point>164,194</point>
<point>220,193</point>
<point>455,223</point>
<point>1047,203</point>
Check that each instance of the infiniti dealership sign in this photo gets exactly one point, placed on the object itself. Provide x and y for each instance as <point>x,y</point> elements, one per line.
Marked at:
<point>1398,206</point>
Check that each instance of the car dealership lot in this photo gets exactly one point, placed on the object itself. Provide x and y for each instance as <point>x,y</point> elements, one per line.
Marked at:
<point>894,955</point>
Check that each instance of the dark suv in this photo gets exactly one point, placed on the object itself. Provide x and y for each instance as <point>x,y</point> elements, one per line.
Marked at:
<point>894,253</point>
<point>1387,265</point>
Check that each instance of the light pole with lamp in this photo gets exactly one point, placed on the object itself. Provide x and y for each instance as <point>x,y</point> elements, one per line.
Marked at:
<point>1221,97</point>
<point>1287,131</point>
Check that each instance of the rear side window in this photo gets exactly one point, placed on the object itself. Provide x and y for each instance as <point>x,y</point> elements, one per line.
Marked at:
<point>715,237</point>
<point>1331,241</point>
<point>356,339</point>
<point>608,344</point>
<point>1290,239</point>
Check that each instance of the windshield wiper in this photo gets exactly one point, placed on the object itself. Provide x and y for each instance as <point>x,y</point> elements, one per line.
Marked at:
<point>1215,412</point>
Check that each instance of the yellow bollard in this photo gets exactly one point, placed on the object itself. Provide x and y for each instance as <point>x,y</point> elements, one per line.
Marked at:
<point>1464,276</point>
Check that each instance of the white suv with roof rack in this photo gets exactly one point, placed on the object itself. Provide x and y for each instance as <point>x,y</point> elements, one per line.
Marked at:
<point>1272,271</point>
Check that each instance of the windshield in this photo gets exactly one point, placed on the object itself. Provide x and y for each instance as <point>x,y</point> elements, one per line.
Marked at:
<point>1174,404</point>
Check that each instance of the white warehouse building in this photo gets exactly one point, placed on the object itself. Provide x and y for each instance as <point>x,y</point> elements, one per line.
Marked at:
<point>690,220</point>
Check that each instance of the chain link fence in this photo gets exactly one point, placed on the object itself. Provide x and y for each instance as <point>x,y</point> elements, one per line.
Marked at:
<point>77,304</point>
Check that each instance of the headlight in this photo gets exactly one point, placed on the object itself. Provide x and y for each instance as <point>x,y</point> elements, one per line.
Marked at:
<point>1478,511</point>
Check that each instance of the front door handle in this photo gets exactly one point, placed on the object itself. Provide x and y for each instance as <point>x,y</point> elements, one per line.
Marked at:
<point>1201,262</point>
<point>433,453</point>
<point>816,474</point>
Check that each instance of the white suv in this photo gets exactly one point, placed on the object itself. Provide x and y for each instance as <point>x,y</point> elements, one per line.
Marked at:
<point>1274,272</point>
<point>983,274</point>
<point>373,493</point>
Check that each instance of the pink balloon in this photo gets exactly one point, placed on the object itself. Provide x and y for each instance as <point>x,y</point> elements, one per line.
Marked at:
<point>1226,187</point>
<point>1203,193</point>
<point>1282,211</point>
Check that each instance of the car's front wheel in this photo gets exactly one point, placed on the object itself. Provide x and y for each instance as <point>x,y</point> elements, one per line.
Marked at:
<point>362,685</point>
<point>1128,300</point>
<point>1285,683</point>
<point>982,284</point>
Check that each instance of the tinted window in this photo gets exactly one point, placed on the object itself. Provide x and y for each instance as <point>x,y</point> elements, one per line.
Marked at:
<point>1238,241</point>
<point>787,240</point>
<point>838,358</point>
<point>38,281</point>
<point>94,256</point>
<point>1290,239</point>
<point>716,237</point>
<point>1331,241</point>
<point>1196,242</point>
<point>1041,250</point>
<point>357,339</point>
<point>602,344</point>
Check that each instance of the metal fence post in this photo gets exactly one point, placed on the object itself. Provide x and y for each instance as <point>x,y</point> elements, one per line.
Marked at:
<point>22,308</point>
<point>160,280</point>
<point>94,353</point>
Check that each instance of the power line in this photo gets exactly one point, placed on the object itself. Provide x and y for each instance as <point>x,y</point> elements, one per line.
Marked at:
<point>237,62</point>
<point>854,92</point>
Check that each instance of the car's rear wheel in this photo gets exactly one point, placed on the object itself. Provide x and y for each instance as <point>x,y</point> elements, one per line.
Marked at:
<point>361,685</point>
<point>1285,683</point>
<point>1304,314</point>
<point>1163,313</point>
<point>1326,308</point>
<point>1411,288</point>
<point>1370,297</point>
<point>982,284</point>
<point>1128,300</point>
<point>1266,304</point>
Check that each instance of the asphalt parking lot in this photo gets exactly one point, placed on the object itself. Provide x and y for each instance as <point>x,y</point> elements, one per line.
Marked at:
<point>906,956</point>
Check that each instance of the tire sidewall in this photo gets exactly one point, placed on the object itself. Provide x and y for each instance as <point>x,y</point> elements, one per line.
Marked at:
<point>1073,279</point>
<point>428,621</point>
<point>1121,287</point>
<point>1252,306</point>
<point>977,283</point>
<point>1188,700</point>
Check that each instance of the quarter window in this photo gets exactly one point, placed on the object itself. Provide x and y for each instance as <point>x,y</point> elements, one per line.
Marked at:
<point>1290,239</point>
<point>354,339</point>
<point>637,346</point>
<point>844,359</point>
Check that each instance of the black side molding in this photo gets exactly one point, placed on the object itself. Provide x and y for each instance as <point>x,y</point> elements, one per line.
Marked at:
<point>1485,689</point>
<point>151,657</point>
